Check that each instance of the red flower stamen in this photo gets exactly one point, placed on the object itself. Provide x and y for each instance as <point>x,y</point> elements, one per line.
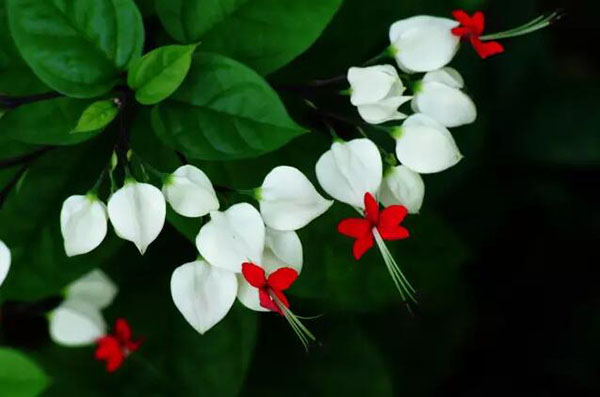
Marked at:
<point>386,222</point>
<point>271,287</point>
<point>471,28</point>
<point>116,347</point>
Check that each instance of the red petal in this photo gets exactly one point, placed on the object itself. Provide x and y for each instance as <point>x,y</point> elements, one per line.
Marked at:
<point>462,17</point>
<point>461,31</point>
<point>371,208</point>
<point>392,216</point>
<point>397,233</point>
<point>267,302</point>
<point>355,227</point>
<point>254,275</point>
<point>282,279</point>
<point>109,350</point>
<point>122,330</point>
<point>362,245</point>
<point>486,49</point>
<point>478,21</point>
<point>133,345</point>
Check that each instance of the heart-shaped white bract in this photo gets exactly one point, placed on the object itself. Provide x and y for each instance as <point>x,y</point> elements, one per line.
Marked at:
<point>83,223</point>
<point>137,212</point>
<point>377,93</point>
<point>190,192</point>
<point>349,170</point>
<point>423,43</point>
<point>401,186</point>
<point>425,146</point>
<point>439,96</point>
<point>76,323</point>
<point>232,237</point>
<point>288,201</point>
<point>5,259</point>
<point>95,288</point>
<point>203,293</point>
<point>282,249</point>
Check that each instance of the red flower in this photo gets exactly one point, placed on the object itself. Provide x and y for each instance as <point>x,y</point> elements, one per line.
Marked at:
<point>277,282</point>
<point>471,28</point>
<point>387,223</point>
<point>115,348</point>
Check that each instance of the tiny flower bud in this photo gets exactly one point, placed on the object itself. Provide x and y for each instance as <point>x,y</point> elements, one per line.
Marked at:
<point>83,223</point>
<point>190,192</point>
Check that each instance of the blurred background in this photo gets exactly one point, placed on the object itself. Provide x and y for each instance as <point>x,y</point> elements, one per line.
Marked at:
<point>503,253</point>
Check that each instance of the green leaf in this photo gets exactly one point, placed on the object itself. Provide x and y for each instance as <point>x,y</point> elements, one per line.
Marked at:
<point>19,376</point>
<point>50,122</point>
<point>29,221</point>
<point>16,78</point>
<point>223,111</point>
<point>77,47</point>
<point>264,34</point>
<point>97,116</point>
<point>160,72</point>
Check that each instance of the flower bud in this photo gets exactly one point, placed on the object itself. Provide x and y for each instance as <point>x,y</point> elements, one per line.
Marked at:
<point>83,223</point>
<point>137,212</point>
<point>402,186</point>
<point>440,97</point>
<point>190,192</point>
<point>423,43</point>
<point>5,258</point>
<point>425,146</point>
<point>377,93</point>
<point>288,201</point>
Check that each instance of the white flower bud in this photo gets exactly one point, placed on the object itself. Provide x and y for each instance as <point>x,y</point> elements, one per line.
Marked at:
<point>5,259</point>
<point>190,192</point>
<point>83,223</point>
<point>402,186</point>
<point>288,201</point>
<point>137,212</point>
<point>377,93</point>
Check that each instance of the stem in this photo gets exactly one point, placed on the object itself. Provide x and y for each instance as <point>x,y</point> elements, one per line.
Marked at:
<point>25,158</point>
<point>11,102</point>
<point>11,184</point>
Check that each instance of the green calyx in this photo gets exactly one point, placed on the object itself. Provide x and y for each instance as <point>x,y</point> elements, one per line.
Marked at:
<point>397,132</point>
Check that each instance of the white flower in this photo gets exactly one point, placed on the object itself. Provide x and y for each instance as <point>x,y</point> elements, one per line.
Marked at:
<point>425,146</point>
<point>190,192</point>
<point>83,223</point>
<point>282,249</point>
<point>402,186</point>
<point>76,323</point>
<point>94,288</point>
<point>439,96</point>
<point>137,212</point>
<point>423,43</point>
<point>232,237</point>
<point>349,170</point>
<point>288,201</point>
<point>203,293</point>
<point>5,259</point>
<point>377,93</point>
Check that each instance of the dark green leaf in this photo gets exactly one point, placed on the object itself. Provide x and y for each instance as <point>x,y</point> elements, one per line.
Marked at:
<point>265,34</point>
<point>97,116</point>
<point>223,111</point>
<point>47,122</point>
<point>160,72</point>
<point>77,47</point>
<point>19,376</point>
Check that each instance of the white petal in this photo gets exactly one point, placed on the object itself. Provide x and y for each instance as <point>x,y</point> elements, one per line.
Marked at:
<point>426,146</point>
<point>83,223</point>
<point>248,295</point>
<point>373,83</point>
<point>383,111</point>
<point>288,201</point>
<point>282,249</point>
<point>349,170</point>
<point>5,259</point>
<point>449,106</point>
<point>190,192</point>
<point>448,76</point>
<point>232,237</point>
<point>137,212</point>
<point>203,293</point>
<point>424,43</point>
<point>95,288</point>
<point>402,186</point>
<point>76,323</point>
